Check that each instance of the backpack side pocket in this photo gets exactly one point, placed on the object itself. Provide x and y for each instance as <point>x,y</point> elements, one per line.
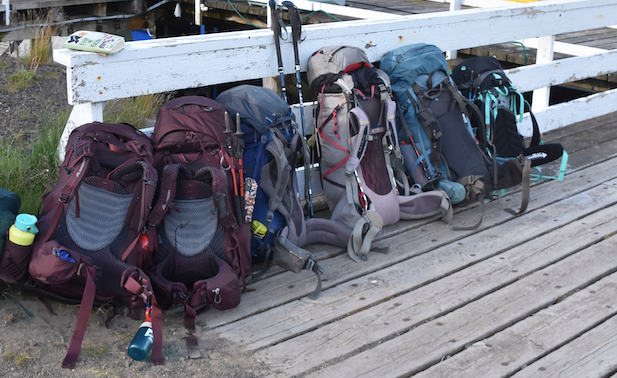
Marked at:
<point>14,261</point>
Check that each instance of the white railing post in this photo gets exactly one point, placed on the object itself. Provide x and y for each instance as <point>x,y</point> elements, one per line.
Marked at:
<point>198,12</point>
<point>7,12</point>
<point>541,96</point>
<point>81,114</point>
<point>269,82</point>
<point>454,6</point>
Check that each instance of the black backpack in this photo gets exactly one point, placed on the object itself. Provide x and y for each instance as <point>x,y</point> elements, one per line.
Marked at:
<point>482,80</point>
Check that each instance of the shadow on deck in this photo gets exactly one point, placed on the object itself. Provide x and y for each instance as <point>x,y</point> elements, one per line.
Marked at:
<point>527,296</point>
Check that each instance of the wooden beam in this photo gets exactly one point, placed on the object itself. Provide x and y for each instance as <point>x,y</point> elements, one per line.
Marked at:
<point>171,63</point>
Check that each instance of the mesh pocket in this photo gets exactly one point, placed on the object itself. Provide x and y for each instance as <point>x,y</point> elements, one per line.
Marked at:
<point>101,217</point>
<point>191,228</point>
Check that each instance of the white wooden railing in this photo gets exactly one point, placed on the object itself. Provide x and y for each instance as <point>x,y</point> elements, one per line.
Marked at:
<point>7,11</point>
<point>161,65</point>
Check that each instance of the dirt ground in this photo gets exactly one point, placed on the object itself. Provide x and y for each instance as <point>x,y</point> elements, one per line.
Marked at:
<point>34,340</point>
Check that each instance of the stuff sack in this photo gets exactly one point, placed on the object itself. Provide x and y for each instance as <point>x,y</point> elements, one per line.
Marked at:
<point>92,242</point>
<point>14,258</point>
<point>272,148</point>
<point>482,80</point>
<point>201,243</point>
<point>355,121</point>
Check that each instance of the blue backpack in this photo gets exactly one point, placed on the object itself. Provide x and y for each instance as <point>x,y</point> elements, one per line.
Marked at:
<point>433,119</point>
<point>272,147</point>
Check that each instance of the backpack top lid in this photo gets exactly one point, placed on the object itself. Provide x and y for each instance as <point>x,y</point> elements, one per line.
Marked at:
<point>328,63</point>
<point>409,64</point>
<point>479,73</point>
<point>259,107</point>
<point>197,114</point>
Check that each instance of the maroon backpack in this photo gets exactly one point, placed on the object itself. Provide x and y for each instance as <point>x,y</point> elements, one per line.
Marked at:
<point>92,242</point>
<point>202,244</point>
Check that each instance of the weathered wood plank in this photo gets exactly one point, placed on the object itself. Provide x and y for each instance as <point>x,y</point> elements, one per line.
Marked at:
<point>597,152</point>
<point>484,251</point>
<point>430,342</point>
<point>288,287</point>
<point>251,55</point>
<point>581,141</point>
<point>523,343</point>
<point>591,355</point>
<point>558,72</point>
<point>566,113</point>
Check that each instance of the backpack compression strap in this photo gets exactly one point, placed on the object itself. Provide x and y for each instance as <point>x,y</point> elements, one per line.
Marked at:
<point>83,315</point>
<point>295,259</point>
<point>76,164</point>
<point>370,222</point>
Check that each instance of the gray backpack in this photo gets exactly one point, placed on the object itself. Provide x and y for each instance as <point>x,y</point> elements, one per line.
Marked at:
<point>361,164</point>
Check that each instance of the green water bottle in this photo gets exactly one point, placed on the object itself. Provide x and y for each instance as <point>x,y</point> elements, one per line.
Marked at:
<point>142,342</point>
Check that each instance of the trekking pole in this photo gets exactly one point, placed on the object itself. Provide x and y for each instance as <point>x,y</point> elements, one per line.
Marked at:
<point>277,25</point>
<point>239,156</point>
<point>296,31</point>
<point>230,153</point>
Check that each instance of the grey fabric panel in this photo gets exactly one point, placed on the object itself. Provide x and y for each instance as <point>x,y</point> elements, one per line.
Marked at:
<point>101,217</point>
<point>259,107</point>
<point>191,228</point>
<point>331,155</point>
<point>333,59</point>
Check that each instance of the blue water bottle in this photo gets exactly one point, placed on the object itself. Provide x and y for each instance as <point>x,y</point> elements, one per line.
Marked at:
<point>142,342</point>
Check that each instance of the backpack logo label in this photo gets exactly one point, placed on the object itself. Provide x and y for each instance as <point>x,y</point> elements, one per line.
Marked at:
<point>537,155</point>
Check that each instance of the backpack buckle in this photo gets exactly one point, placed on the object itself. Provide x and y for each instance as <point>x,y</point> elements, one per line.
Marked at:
<point>311,264</point>
<point>148,182</point>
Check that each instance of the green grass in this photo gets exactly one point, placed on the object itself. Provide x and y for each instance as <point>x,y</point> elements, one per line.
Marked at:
<point>103,373</point>
<point>31,169</point>
<point>135,111</point>
<point>20,80</point>
<point>27,171</point>
<point>94,348</point>
<point>19,359</point>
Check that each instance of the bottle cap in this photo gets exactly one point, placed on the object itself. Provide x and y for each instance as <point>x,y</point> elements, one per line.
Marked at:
<point>259,228</point>
<point>26,223</point>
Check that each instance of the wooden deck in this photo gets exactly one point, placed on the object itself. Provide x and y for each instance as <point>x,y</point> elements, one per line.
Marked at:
<point>527,296</point>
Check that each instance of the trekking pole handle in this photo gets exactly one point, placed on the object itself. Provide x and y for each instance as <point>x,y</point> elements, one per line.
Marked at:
<point>296,26</point>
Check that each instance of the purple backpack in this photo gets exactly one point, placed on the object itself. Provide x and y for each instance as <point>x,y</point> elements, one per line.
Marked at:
<point>202,244</point>
<point>92,242</point>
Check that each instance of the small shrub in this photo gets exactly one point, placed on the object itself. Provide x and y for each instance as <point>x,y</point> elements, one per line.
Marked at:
<point>40,51</point>
<point>8,318</point>
<point>104,373</point>
<point>94,348</point>
<point>20,80</point>
<point>19,359</point>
